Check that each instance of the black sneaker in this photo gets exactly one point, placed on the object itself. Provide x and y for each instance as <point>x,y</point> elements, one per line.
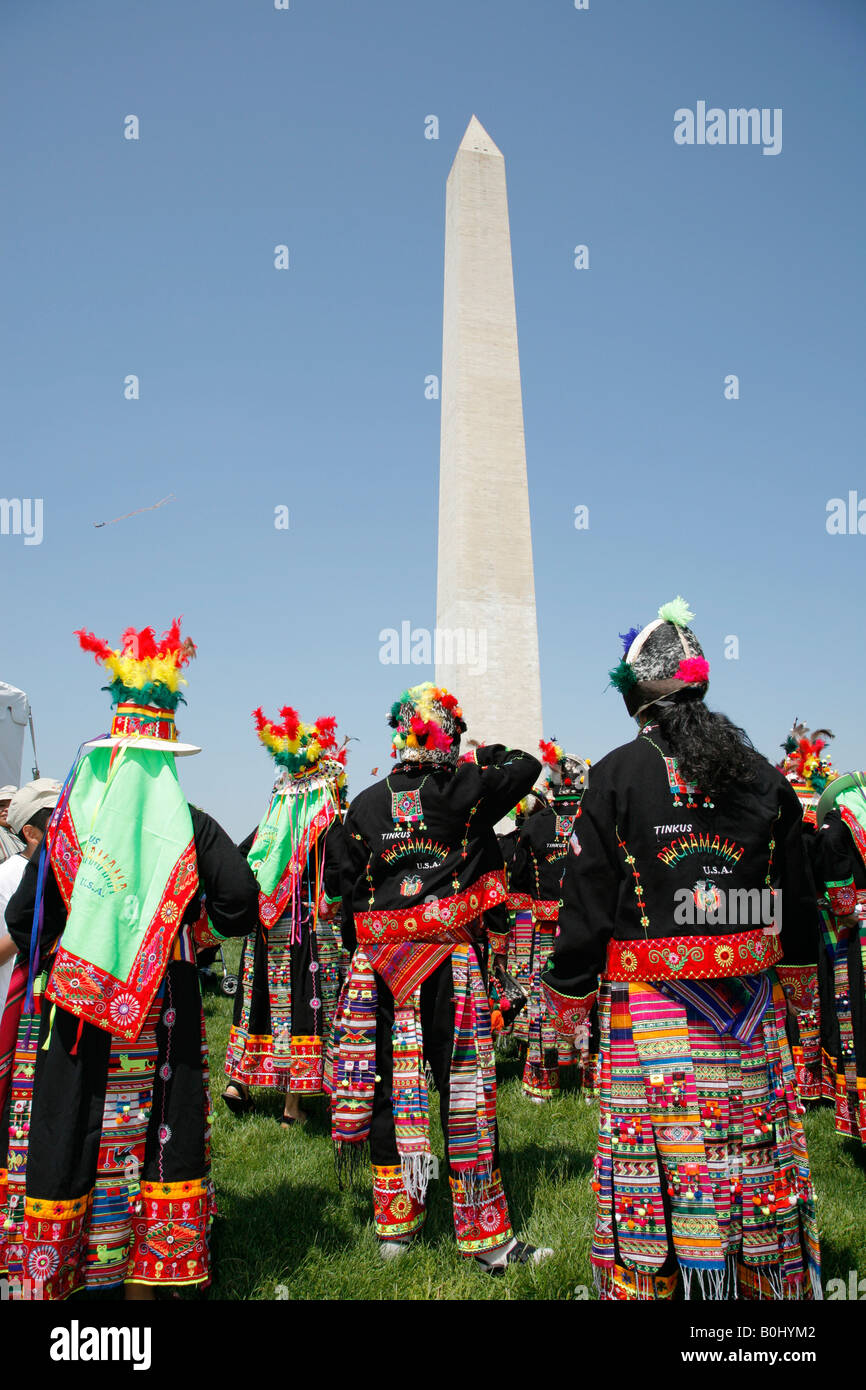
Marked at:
<point>519,1254</point>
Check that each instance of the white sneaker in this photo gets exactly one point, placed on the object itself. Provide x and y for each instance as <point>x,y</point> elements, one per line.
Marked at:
<point>540,1254</point>
<point>392,1249</point>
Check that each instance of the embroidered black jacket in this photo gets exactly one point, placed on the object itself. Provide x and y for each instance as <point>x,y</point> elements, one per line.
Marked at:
<point>659,883</point>
<point>838,862</point>
<point>508,848</point>
<point>539,861</point>
<point>426,837</point>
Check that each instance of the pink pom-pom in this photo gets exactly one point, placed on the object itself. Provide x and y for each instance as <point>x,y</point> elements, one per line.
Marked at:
<point>694,670</point>
<point>437,738</point>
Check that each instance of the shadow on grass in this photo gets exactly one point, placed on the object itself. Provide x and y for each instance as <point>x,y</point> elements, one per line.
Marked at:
<point>853,1149</point>
<point>525,1170</point>
<point>838,1258</point>
<point>260,1239</point>
<point>270,1103</point>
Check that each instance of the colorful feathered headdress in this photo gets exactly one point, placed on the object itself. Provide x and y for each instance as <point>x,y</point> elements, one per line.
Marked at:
<point>567,776</point>
<point>302,749</point>
<point>660,659</point>
<point>805,768</point>
<point>145,685</point>
<point>428,723</point>
<point>143,669</point>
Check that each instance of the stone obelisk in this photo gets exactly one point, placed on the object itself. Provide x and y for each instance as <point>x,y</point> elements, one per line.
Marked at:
<point>487,632</point>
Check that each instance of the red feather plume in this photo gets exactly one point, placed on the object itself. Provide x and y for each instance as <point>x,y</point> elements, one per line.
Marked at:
<point>259,717</point>
<point>291,723</point>
<point>548,751</point>
<point>89,643</point>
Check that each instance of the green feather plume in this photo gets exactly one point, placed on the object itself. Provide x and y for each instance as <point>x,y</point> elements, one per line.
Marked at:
<point>677,612</point>
<point>622,676</point>
<point>151,693</point>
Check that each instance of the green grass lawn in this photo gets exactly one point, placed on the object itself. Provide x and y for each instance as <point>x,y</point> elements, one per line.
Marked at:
<point>285,1230</point>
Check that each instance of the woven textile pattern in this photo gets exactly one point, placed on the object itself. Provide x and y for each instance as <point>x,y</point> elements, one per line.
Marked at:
<point>520,965</point>
<point>280,1058</point>
<point>547,1049</point>
<point>701,1155</point>
<point>472,1117</point>
<point>113,1233</point>
<point>13,1179</point>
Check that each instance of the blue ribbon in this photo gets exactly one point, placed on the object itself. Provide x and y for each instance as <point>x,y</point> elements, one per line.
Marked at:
<point>44,860</point>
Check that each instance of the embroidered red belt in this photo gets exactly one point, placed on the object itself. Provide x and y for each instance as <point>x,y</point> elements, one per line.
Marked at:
<point>440,919</point>
<point>519,902</point>
<point>800,983</point>
<point>693,957</point>
<point>545,909</point>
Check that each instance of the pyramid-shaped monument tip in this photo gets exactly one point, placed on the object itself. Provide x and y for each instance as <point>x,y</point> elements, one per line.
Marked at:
<point>477,140</point>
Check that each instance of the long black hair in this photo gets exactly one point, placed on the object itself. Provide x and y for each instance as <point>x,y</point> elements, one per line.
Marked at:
<point>712,752</point>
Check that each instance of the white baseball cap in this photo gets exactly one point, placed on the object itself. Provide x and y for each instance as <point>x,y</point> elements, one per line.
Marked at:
<point>29,799</point>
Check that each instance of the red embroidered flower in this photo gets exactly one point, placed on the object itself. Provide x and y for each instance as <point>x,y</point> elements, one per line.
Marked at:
<point>125,1009</point>
<point>42,1261</point>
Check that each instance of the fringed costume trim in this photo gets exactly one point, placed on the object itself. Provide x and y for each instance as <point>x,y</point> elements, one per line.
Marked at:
<point>701,1156</point>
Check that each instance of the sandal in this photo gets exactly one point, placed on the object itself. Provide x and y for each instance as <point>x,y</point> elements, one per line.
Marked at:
<point>237,1103</point>
<point>286,1120</point>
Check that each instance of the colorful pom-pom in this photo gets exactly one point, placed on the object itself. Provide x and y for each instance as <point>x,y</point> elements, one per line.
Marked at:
<point>693,669</point>
<point>676,612</point>
<point>419,714</point>
<point>628,637</point>
<point>437,739</point>
<point>622,677</point>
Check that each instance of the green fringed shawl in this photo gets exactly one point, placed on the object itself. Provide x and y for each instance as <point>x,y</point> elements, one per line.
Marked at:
<point>297,817</point>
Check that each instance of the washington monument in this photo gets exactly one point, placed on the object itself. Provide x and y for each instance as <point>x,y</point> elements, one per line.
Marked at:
<point>487,632</point>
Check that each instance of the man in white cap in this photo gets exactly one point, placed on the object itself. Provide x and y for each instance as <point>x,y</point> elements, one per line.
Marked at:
<point>27,813</point>
<point>9,844</point>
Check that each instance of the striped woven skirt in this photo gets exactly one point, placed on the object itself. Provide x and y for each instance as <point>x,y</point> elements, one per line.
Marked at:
<point>546,1049</point>
<point>843,1026</point>
<point>701,1170</point>
<point>284,1008</point>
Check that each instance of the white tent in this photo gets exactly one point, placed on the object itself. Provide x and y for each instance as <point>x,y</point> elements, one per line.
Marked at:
<point>14,715</point>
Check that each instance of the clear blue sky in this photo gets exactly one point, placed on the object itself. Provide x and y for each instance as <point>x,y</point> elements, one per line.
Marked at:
<point>306,387</point>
